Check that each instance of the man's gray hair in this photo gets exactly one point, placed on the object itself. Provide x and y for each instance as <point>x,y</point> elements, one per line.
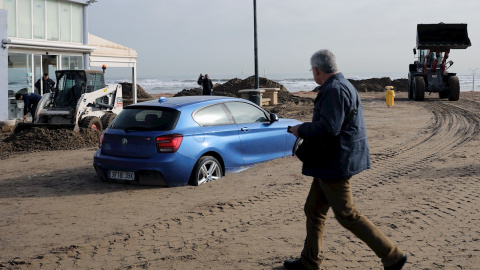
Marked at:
<point>325,61</point>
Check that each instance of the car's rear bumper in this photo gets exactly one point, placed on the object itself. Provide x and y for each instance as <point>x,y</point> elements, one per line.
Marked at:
<point>173,170</point>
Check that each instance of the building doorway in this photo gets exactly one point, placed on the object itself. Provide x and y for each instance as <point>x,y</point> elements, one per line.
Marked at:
<point>44,64</point>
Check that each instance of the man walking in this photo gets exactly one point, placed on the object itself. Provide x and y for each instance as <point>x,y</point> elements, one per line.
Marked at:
<point>30,101</point>
<point>338,130</point>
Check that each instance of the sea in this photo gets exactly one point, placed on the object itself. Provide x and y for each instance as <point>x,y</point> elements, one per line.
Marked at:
<point>293,83</point>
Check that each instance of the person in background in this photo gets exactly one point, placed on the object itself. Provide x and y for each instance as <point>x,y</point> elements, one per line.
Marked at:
<point>206,83</point>
<point>338,126</point>
<point>47,83</point>
<point>30,101</point>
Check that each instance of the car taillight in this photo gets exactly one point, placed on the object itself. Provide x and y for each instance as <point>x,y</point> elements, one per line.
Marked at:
<point>101,140</point>
<point>169,143</point>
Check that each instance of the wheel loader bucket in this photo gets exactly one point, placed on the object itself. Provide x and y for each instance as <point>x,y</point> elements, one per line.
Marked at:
<point>28,126</point>
<point>442,36</point>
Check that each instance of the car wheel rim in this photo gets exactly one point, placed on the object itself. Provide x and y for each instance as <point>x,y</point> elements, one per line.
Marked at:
<point>208,172</point>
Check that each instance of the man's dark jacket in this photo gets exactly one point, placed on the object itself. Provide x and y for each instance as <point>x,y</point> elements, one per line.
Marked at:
<point>48,85</point>
<point>30,101</point>
<point>207,86</point>
<point>345,146</point>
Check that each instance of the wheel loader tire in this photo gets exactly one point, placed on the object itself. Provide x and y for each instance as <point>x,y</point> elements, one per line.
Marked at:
<point>419,89</point>
<point>410,86</point>
<point>91,122</point>
<point>454,85</point>
<point>410,91</point>
<point>106,119</point>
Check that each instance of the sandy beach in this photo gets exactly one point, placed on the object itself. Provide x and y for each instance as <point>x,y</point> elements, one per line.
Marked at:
<point>423,191</point>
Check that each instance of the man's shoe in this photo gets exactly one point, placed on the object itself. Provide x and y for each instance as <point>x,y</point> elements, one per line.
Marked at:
<point>294,265</point>
<point>398,265</point>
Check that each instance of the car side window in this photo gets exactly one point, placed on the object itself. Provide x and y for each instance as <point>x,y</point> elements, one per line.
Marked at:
<point>245,113</point>
<point>213,116</point>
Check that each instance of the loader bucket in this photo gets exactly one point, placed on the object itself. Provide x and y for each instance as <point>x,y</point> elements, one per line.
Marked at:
<point>442,36</point>
<point>28,126</point>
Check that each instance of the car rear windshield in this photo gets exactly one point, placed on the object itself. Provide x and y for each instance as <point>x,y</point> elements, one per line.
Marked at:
<point>146,118</point>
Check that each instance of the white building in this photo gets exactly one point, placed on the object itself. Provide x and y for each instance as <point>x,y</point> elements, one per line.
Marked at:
<point>41,36</point>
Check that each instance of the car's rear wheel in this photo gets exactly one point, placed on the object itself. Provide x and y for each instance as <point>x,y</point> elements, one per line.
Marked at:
<point>207,169</point>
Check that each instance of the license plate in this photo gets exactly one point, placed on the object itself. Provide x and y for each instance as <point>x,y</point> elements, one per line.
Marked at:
<point>121,175</point>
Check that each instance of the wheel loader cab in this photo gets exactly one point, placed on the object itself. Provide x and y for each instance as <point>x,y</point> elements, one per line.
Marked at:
<point>70,87</point>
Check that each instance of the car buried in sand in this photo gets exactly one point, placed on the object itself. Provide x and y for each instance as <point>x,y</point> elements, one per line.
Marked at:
<point>190,140</point>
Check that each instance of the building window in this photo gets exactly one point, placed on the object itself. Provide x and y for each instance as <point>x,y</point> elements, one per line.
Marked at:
<point>65,22</point>
<point>77,23</point>
<point>24,18</point>
<point>10,6</point>
<point>72,62</point>
<point>39,19</point>
<point>52,20</point>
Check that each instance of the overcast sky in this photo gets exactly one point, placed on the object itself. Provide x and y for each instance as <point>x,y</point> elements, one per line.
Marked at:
<point>187,37</point>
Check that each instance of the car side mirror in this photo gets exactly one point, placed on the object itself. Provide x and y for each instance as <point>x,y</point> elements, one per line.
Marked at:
<point>273,118</point>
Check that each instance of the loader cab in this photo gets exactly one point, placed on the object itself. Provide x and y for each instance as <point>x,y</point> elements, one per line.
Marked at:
<point>70,86</point>
<point>95,80</point>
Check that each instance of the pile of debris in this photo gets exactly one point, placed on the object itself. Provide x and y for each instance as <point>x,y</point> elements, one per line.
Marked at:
<point>378,84</point>
<point>42,139</point>
<point>231,88</point>
<point>127,91</point>
<point>236,84</point>
<point>198,92</point>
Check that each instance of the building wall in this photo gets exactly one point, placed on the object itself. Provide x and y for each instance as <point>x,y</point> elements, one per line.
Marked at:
<point>3,67</point>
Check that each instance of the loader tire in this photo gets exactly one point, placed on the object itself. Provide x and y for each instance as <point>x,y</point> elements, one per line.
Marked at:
<point>91,122</point>
<point>410,86</point>
<point>419,88</point>
<point>454,86</point>
<point>410,90</point>
<point>106,119</point>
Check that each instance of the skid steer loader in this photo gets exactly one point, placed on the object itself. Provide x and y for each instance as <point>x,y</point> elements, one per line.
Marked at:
<point>80,100</point>
<point>429,72</point>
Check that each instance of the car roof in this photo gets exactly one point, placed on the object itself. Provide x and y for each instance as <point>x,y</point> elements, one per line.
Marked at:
<point>184,101</point>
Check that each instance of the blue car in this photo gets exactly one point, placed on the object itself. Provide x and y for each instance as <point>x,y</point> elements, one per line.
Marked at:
<point>190,140</point>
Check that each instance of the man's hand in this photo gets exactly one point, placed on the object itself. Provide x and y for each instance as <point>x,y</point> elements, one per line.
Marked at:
<point>24,118</point>
<point>294,130</point>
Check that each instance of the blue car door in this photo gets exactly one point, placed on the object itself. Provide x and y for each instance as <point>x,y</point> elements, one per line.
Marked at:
<point>260,139</point>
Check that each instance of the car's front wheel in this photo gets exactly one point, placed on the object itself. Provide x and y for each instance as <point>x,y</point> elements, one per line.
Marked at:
<point>207,169</point>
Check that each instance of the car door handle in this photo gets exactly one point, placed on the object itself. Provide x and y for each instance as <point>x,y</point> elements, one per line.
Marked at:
<point>246,129</point>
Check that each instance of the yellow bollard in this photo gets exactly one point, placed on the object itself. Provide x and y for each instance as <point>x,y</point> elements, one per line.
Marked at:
<point>389,95</point>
